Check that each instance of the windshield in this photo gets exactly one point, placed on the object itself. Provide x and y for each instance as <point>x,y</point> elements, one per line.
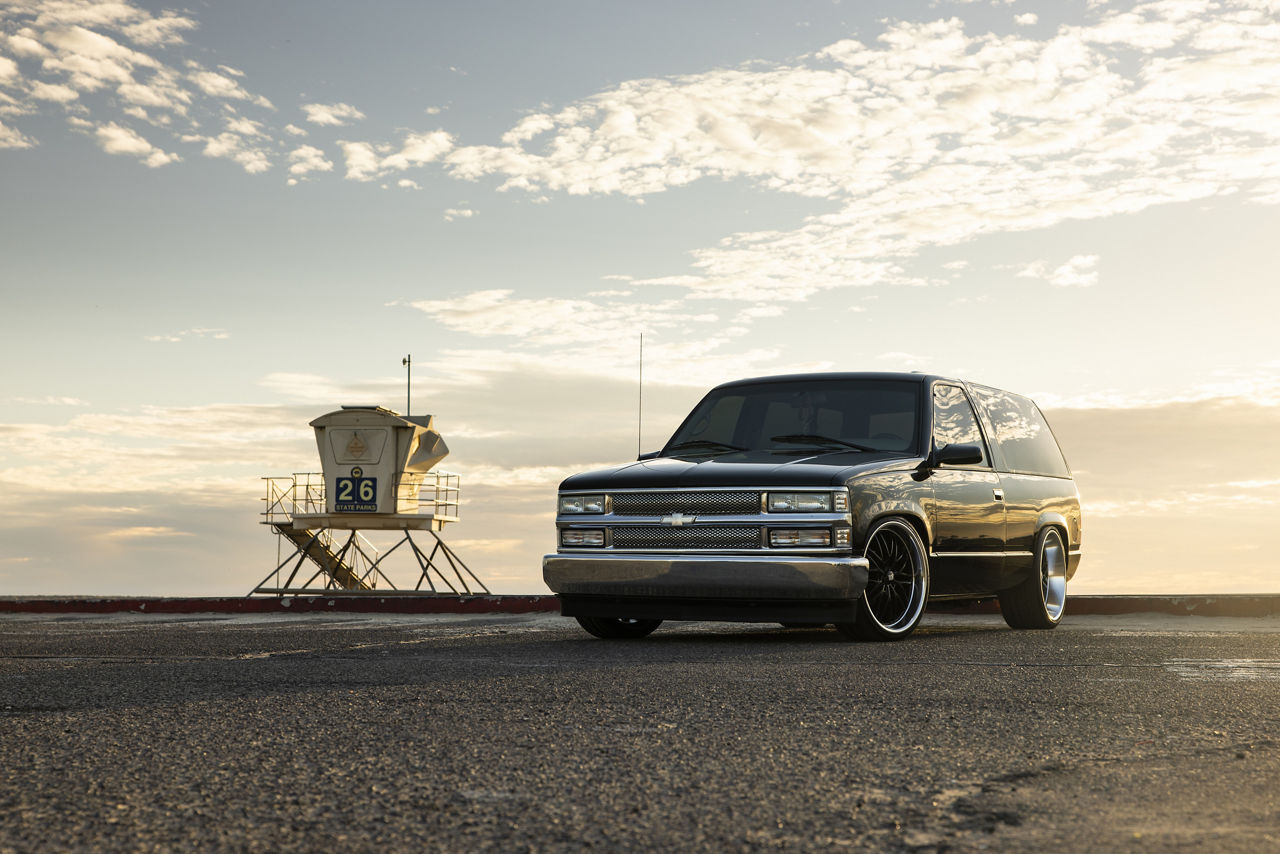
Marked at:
<point>829,414</point>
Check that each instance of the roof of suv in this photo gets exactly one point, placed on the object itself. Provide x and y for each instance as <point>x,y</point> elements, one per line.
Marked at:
<point>897,376</point>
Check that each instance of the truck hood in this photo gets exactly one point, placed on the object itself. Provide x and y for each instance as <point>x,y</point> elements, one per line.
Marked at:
<point>745,468</point>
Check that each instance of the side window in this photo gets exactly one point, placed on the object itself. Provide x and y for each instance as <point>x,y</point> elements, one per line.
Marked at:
<point>954,422</point>
<point>1024,436</point>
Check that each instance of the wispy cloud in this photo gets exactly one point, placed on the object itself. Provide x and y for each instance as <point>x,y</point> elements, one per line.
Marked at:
<point>306,159</point>
<point>333,115</point>
<point>114,139</point>
<point>932,136</point>
<point>50,400</point>
<point>367,162</point>
<point>116,71</point>
<point>188,334</point>
<point>144,532</point>
<point>1078,271</point>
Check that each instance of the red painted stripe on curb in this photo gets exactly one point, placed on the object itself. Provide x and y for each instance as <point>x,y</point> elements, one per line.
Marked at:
<point>1227,605</point>
<point>1224,605</point>
<point>285,605</point>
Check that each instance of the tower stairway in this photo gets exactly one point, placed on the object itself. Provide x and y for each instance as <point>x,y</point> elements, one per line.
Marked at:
<point>317,546</point>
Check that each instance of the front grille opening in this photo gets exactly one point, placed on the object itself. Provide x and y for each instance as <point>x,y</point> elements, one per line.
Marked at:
<point>692,503</point>
<point>700,537</point>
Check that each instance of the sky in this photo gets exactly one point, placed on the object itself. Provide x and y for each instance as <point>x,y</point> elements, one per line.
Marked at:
<point>223,219</point>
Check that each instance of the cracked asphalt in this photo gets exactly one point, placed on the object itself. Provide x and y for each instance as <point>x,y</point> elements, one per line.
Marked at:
<point>361,733</point>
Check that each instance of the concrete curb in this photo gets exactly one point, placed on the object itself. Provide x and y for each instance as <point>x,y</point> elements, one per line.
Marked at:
<point>1232,605</point>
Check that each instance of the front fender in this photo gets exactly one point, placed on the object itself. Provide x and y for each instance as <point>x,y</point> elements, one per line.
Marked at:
<point>876,496</point>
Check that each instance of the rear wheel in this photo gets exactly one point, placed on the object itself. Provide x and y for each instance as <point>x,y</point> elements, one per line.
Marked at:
<point>897,583</point>
<point>1038,602</point>
<point>613,628</point>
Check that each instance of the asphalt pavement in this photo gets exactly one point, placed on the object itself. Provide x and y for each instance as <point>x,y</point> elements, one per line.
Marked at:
<point>522,733</point>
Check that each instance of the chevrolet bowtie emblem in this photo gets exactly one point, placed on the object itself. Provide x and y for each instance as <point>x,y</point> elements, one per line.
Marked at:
<point>678,519</point>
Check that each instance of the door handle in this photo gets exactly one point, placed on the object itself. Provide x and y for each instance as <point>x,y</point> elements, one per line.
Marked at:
<point>999,493</point>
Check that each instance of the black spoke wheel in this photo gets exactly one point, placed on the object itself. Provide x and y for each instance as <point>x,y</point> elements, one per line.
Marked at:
<point>897,583</point>
<point>614,628</point>
<point>1040,600</point>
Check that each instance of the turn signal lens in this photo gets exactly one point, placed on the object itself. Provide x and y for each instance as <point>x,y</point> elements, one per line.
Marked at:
<point>799,537</point>
<point>579,537</point>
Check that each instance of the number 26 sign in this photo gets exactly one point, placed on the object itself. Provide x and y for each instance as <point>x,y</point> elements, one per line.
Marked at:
<point>356,494</point>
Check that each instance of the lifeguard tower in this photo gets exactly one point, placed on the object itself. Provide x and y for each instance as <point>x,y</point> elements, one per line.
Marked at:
<point>377,476</point>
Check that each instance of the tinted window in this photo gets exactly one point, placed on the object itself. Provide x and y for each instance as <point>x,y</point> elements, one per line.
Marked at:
<point>881,415</point>
<point>1023,435</point>
<point>954,422</point>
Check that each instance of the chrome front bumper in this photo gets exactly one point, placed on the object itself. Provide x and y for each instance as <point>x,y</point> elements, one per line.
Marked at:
<point>700,576</point>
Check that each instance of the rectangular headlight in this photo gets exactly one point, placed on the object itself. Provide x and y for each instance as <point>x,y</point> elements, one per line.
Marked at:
<point>799,502</point>
<point>799,537</point>
<point>581,503</point>
<point>580,537</point>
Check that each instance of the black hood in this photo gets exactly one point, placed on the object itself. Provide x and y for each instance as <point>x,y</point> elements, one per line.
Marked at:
<point>744,468</point>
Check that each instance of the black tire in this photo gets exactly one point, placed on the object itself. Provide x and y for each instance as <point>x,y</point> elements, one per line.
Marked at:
<point>898,586</point>
<point>1040,600</point>
<point>613,628</point>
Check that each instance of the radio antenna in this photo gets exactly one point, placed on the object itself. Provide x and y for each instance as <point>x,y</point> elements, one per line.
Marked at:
<point>407,361</point>
<point>640,400</point>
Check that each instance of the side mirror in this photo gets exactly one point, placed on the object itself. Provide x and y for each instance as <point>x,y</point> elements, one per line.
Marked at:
<point>958,455</point>
<point>649,455</point>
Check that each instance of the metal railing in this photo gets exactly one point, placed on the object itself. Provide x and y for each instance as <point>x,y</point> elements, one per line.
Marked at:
<point>303,492</point>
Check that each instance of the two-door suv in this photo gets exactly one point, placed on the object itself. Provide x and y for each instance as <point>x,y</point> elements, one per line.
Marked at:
<point>844,498</point>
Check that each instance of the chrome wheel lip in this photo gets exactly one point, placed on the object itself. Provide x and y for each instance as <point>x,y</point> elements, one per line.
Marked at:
<point>918,593</point>
<point>1053,576</point>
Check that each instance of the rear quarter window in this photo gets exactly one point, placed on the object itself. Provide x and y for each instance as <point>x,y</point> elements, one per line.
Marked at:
<point>1022,433</point>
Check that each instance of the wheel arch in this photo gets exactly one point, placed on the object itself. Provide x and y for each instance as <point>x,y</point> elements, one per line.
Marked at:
<point>910,512</point>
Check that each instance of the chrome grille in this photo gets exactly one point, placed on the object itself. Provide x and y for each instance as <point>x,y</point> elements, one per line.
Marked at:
<point>697,537</point>
<point>692,503</point>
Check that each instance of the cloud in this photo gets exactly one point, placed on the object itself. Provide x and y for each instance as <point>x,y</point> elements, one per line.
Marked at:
<point>930,136</point>
<point>597,337</point>
<point>97,62</point>
<point>241,143</point>
<point>458,213</point>
<point>144,532</point>
<point>308,158</point>
<point>50,400</point>
<point>115,139</point>
<point>14,138</point>
<point>55,92</point>
<point>9,73</point>
<point>367,162</point>
<point>331,114</point>
<point>1077,272</point>
<point>187,334</point>
<point>220,86</point>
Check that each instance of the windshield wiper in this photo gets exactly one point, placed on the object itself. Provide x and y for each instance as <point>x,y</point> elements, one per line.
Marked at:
<point>815,439</point>
<point>705,444</point>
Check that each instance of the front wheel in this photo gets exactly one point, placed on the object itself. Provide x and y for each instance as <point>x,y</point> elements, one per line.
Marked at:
<point>897,583</point>
<point>613,628</point>
<point>1038,602</point>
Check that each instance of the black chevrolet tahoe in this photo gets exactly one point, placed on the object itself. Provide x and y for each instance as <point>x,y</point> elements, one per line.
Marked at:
<point>845,498</point>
